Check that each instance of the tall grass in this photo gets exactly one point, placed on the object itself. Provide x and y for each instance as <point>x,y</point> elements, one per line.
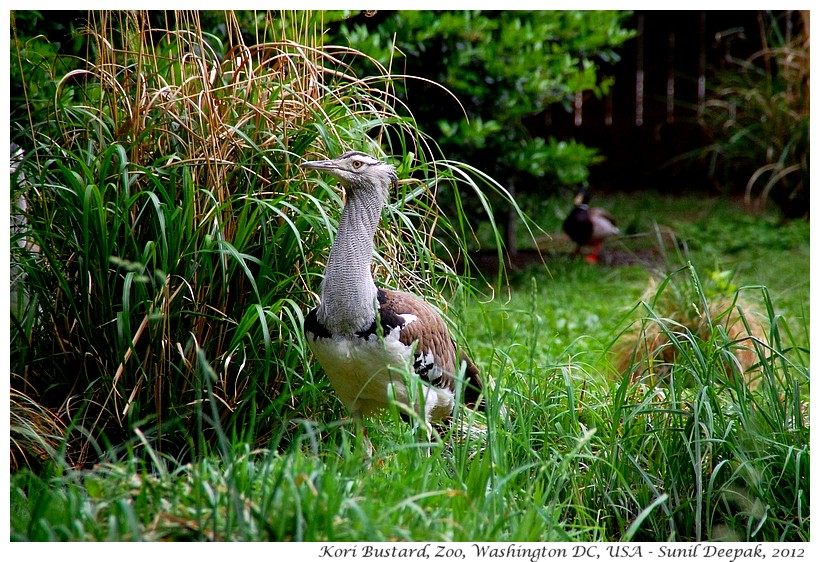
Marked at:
<point>176,231</point>
<point>583,454</point>
<point>725,418</point>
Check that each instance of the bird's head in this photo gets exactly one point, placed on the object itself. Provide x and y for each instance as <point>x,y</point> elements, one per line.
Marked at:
<point>357,171</point>
<point>582,197</point>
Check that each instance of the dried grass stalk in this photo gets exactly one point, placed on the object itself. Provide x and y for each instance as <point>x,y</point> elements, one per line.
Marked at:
<point>728,331</point>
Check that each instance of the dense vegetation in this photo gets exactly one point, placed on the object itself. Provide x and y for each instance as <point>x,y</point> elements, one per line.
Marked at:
<point>486,73</point>
<point>497,70</point>
<point>178,247</point>
<point>757,118</point>
<point>161,387</point>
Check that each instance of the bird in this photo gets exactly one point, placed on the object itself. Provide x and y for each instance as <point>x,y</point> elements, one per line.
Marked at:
<point>589,226</point>
<point>364,337</point>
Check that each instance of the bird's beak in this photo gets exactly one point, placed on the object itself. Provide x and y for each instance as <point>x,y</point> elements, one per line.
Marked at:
<point>318,165</point>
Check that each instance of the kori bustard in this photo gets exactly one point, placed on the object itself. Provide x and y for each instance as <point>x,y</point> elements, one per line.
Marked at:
<point>364,337</point>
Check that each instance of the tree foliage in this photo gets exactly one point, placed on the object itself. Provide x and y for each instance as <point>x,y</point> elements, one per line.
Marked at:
<point>497,69</point>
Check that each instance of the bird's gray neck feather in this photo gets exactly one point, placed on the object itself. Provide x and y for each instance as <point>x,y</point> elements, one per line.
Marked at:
<point>348,291</point>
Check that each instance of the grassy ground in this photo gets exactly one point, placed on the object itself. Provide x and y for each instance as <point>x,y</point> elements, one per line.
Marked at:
<point>581,450</point>
<point>725,245</point>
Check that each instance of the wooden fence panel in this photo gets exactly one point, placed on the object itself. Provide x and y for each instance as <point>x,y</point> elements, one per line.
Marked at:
<point>661,83</point>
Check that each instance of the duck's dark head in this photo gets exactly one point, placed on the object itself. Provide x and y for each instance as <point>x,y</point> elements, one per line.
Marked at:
<point>582,197</point>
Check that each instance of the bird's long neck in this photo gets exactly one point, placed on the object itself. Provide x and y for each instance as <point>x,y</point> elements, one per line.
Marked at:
<point>348,291</point>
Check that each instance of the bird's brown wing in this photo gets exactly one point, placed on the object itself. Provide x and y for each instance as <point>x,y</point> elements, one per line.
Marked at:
<point>435,353</point>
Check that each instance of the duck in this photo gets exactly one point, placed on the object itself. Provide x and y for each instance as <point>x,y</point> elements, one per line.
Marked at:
<point>379,345</point>
<point>589,226</point>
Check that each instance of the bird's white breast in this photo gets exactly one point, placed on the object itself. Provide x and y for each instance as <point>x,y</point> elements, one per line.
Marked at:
<point>367,372</point>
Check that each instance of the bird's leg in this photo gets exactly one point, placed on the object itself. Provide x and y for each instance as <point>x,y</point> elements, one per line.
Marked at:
<point>427,405</point>
<point>423,431</point>
<point>368,445</point>
<point>361,433</point>
<point>429,429</point>
<point>592,257</point>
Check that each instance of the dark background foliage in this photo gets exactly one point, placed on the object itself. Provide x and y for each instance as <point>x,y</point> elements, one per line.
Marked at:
<point>740,83</point>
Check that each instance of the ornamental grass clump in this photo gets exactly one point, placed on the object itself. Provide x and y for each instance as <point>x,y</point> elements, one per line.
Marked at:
<point>685,332</point>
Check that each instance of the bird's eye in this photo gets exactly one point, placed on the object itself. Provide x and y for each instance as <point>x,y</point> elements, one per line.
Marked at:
<point>357,164</point>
